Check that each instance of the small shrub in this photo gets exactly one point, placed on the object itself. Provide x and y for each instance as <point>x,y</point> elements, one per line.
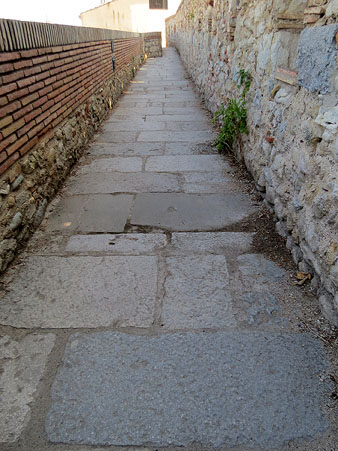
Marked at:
<point>233,117</point>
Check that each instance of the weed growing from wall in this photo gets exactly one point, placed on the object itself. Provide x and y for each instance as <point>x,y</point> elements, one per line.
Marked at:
<point>233,117</point>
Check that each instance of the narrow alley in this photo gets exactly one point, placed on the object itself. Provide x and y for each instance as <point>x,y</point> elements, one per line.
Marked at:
<point>143,314</point>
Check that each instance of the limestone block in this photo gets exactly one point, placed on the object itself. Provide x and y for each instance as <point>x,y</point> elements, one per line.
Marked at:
<point>316,58</point>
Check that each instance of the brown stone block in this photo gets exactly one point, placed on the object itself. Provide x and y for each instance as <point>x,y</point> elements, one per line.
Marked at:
<point>314,10</point>
<point>311,18</point>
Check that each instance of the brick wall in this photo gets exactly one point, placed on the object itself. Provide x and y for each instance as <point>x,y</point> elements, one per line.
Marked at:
<point>57,84</point>
<point>39,88</point>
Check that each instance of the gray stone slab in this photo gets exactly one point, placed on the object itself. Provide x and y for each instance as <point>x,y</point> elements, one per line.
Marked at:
<point>123,244</point>
<point>190,125</point>
<point>124,183</point>
<point>188,163</point>
<point>92,213</point>
<point>187,111</point>
<point>210,242</point>
<point>22,365</point>
<point>257,269</point>
<point>209,182</point>
<point>198,116</point>
<point>127,149</point>
<point>74,292</point>
<point>190,212</point>
<point>136,124</point>
<point>167,136</point>
<point>254,390</point>
<point>197,293</point>
<point>117,137</point>
<point>262,308</point>
<point>115,164</point>
<point>139,111</point>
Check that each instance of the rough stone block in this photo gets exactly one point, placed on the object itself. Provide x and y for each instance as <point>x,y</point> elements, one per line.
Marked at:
<point>316,58</point>
<point>213,390</point>
<point>74,292</point>
<point>22,366</point>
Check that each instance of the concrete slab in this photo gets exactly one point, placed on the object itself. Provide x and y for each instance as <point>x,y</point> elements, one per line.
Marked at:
<point>22,365</point>
<point>77,292</point>
<point>124,183</point>
<point>115,164</point>
<point>191,125</point>
<point>197,293</point>
<point>122,244</point>
<point>189,163</point>
<point>210,242</point>
<point>198,116</point>
<point>139,111</point>
<point>190,212</point>
<point>191,137</point>
<point>127,149</point>
<point>92,213</point>
<point>215,389</point>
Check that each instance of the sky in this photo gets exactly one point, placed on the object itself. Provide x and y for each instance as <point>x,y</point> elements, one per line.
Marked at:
<point>55,11</point>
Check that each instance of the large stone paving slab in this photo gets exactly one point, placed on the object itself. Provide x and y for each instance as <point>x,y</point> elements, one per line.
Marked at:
<point>189,212</point>
<point>92,213</point>
<point>127,149</point>
<point>22,365</point>
<point>216,389</point>
<point>188,163</point>
<point>197,293</point>
<point>114,164</point>
<point>124,183</point>
<point>167,136</point>
<point>123,244</point>
<point>74,292</point>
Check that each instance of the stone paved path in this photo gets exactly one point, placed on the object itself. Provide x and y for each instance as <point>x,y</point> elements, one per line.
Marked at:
<point>143,314</point>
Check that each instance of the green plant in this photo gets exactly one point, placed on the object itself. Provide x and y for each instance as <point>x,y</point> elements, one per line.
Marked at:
<point>233,117</point>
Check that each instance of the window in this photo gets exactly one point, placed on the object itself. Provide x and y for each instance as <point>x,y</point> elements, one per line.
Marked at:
<point>158,4</point>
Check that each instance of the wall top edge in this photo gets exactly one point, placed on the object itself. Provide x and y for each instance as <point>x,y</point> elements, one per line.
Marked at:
<point>21,35</point>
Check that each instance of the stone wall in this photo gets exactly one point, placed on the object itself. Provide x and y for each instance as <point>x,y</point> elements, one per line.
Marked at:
<point>290,49</point>
<point>152,44</point>
<point>57,83</point>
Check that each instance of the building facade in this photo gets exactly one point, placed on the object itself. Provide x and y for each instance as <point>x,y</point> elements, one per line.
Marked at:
<point>142,16</point>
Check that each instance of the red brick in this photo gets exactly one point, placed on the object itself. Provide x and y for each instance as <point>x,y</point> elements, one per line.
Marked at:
<point>35,130</point>
<point>6,142</point>
<point>54,56</point>
<point>8,163</point>
<point>9,56</point>
<point>43,75</point>
<point>22,111</point>
<point>40,102</point>
<point>32,115</point>
<point>31,143</point>
<point>57,121</point>
<point>18,143</point>
<point>29,53</point>
<point>47,105</point>
<point>8,88</point>
<point>44,51</point>
<point>17,94</point>
<point>22,64</point>
<point>6,121</point>
<point>42,117</point>
<point>36,86</point>
<point>31,71</point>
<point>25,129</point>
<point>29,98</point>
<point>6,68</point>
<point>9,108</point>
<point>45,90</point>
<point>50,118</point>
<point>47,66</point>
<point>13,77</point>
<point>26,81</point>
<point>3,156</point>
<point>40,60</point>
<point>49,81</point>
<point>3,101</point>
<point>13,127</point>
